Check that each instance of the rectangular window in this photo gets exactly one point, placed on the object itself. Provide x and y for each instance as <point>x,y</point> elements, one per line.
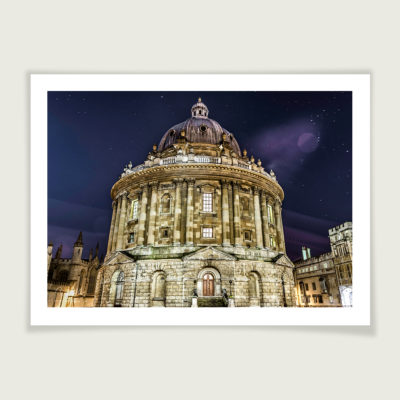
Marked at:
<point>306,286</point>
<point>270,212</point>
<point>207,232</point>
<point>314,286</point>
<point>272,242</point>
<point>320,299</point>
<point>134,209</point>
<point>164,233</point>
<point>131,238</point>
<point>247,235</point>
<point>207,202</point>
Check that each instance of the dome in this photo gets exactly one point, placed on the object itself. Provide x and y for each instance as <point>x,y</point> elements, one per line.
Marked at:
<point>198,129</point>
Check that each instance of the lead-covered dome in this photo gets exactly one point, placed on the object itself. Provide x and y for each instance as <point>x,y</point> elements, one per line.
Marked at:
<point>198,129</point>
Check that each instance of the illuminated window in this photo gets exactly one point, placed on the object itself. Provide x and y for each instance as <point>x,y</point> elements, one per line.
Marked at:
<point>272,242</point>
<point>92,281</point>
<point>207,202</point>
<point>134,209</point>
<point>207,232</point>
<point>270,212</point>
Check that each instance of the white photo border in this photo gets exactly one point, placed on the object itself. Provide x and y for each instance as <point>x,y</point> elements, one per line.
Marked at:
<point>359,314</point>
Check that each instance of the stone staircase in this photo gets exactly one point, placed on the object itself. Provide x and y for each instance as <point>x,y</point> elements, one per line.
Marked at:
<point>210,302</point>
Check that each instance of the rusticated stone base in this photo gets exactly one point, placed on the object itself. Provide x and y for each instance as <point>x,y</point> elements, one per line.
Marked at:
<point>175,282</point>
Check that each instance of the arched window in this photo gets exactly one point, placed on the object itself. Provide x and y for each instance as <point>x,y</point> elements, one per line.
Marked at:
<point>254,289</point>
<point>92,281</point>
<point>119,289</point>
<point>63,276</point>
<point>158,289</point>
<point>166,204</point>
<point>253,286</point>
<point>208,285</point>
<point>81,281</point>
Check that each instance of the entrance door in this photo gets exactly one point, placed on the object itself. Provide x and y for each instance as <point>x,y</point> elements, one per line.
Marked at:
<point>208,285</point>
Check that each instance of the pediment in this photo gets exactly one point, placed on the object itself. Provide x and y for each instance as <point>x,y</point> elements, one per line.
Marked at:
<point>283,259</point>
<point>209,253</point>
<point>119,257</point>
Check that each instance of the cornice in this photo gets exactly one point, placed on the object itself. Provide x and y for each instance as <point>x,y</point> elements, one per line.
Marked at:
<point>199,171</point>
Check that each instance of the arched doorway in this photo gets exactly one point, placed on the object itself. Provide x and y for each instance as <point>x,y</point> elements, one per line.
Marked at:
<point>208,284</point>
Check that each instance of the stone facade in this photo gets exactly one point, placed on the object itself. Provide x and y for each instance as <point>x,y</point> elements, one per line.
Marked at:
<point>326,280</point>
<point>198,220</point>
<point>71,281</point>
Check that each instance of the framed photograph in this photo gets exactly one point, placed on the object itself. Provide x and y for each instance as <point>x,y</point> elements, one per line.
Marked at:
<point>200,199</point>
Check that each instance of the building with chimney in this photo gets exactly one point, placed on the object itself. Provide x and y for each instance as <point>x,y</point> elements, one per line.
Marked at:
<point>71,281</point>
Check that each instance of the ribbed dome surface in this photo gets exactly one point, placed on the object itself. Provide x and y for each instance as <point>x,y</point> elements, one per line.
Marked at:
<point>198,129</point>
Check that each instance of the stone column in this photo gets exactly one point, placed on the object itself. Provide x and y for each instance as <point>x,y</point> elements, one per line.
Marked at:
<point>110,237</point>
<point>257,217</point>
<point>121,224</point>
<point>116,224</point>
<point>178,211</point>
<point>236,214</point>
<point>264,216</point>
<point>142,215</point>
<point>153,213</point>
<point>225,214</point>
<point>279,226</point>
<point>189,213</point>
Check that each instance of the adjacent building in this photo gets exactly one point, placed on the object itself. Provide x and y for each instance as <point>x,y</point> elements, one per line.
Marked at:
<point>71,281</point>
<point>326,280</point>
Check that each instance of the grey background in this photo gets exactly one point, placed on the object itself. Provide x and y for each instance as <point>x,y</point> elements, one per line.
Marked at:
<point>198,37</point>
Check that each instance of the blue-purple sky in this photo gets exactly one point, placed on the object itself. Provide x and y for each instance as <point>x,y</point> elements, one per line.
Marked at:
<point>305,137</point>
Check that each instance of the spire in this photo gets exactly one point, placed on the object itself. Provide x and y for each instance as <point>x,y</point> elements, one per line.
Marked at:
<point>79,241</point>
<point>200,110</point>
<point>59,251</point>
<point>97,250</point>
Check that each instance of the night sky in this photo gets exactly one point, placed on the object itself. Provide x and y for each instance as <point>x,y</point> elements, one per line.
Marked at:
<point>305,137</point>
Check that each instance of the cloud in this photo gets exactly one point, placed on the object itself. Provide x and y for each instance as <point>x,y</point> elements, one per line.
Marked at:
<point>284,146</point>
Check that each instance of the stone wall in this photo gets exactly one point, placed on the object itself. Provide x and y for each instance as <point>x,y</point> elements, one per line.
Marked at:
<point>183,277</point>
